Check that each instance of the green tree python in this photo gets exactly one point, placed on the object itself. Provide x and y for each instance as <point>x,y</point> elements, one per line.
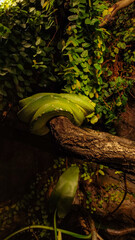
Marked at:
<point>40,108</point>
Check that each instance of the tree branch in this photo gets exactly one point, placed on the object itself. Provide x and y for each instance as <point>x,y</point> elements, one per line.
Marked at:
<point>114,9</point>
<point>99,147</point>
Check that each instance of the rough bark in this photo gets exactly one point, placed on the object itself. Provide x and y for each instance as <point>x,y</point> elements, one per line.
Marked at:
<point>116,204</point>
<point>114,9</point>
<point>99,147</point>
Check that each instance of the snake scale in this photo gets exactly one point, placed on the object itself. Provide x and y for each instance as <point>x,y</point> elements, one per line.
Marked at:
<point>40,108</point>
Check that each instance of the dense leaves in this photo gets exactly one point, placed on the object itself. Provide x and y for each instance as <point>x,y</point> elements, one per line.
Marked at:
<point>26,59</point>
<point>59,46</point>
<point>95,64</point>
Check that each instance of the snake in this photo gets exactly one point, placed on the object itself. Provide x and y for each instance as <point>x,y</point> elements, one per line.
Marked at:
<point>38,109</point>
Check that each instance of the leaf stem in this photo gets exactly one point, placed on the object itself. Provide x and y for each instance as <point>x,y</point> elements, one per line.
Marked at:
<point>55,226</point>
<point>76,235</point>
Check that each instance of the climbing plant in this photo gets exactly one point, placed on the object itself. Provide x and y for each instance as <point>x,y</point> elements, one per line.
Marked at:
<point>95,65</point>
<point>26,62</point>
<point>118,66</point>
<point>60,46</point>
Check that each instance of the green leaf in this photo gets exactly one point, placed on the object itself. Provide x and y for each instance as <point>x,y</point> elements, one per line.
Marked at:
<point>79,50</point>
<point>90,115</point>
<point>38,41</point>
<point>109,73</point>
<point>75,3</point>
<point>23,25</point>
<point>27,45</point>
<point>73,17</point>
<point>101,172</point>
<point>119,103</point>
<point>20,66</point>
<point>8,70</point>
<point>118,172</point>
<point>116,50</point>
<point>31,9</point>
<point>63,194</point>
<point>101,166</point>
<point>94,120</point>
<point>91,94</point>
<point>23,54</point>
<point>121,45</point>
<point>20,78</point>
<point>97,66</point>
<point>84,53</point>
<point>100,60</point>
<point>20,94</point>
<point>16,57</point>
<point>3,73</point>
<point>74,10</point>
<point>94,20</point>
<point>87,21</point>
<point>15,80</point>
<point>85,45</point>
<point>52,78</point>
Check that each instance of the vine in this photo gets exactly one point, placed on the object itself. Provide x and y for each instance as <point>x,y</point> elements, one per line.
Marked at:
<point>26,63</point>
<point>60,46</point>
<point>94,66</point>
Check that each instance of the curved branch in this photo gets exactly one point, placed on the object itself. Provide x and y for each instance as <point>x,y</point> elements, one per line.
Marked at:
<point>120,232</point>
<point>114,9</point>
<point>100,147</point>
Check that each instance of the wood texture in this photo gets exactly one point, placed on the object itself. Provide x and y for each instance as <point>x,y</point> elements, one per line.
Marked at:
<point>99,147</point>
<point>114,9</point>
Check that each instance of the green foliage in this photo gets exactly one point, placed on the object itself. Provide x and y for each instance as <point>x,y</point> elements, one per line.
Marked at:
<point>88,47</point>
<point>117,68</point>
<point>32,204</point>
<point>59,45</point>
<point>61,201</point>
<point>26,57</point>
<point>84,47</point>
<point>63,194</point>
<point>86,172</point>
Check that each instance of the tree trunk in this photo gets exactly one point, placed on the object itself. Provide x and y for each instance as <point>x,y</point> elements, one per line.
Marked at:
<point>114,9</point>
<point>98,147</point>
<point>111,194</point>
